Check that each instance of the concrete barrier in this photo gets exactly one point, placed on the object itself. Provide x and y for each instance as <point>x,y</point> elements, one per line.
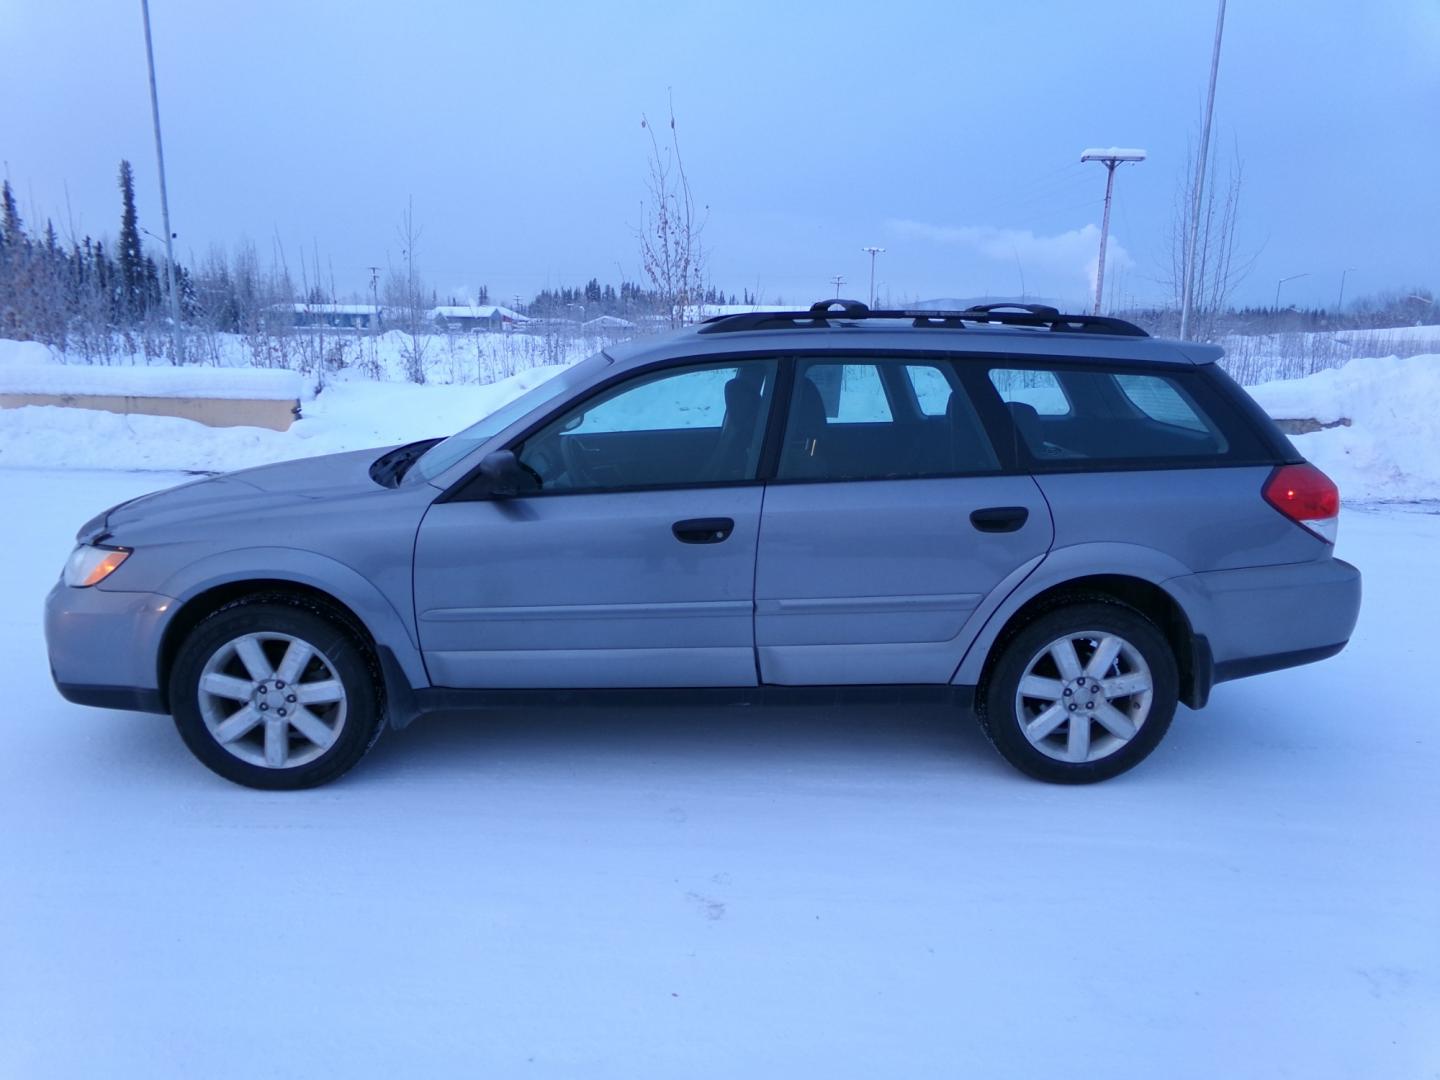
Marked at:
<point>216,397</point>
<point>214,412</point>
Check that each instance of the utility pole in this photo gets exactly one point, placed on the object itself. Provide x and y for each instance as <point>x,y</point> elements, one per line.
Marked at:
<point>837,281</point>
<point>1340,302</point>
<point>1112,159</point>
<point>1187,289</point>
<point>375,297</point>
<point>872,252</point>
<point>1282,281</point>
<point>175,329</point>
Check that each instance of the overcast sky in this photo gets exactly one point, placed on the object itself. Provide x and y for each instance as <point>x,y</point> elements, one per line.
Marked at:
<point>949,133</point>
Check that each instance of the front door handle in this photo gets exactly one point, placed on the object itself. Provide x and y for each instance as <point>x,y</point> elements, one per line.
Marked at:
<point>703,530</point>
<point>999,519</point>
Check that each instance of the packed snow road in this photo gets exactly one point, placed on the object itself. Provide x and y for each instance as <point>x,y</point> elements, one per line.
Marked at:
<point>731,892</point>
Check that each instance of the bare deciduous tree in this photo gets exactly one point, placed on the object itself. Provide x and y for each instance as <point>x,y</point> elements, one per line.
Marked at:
<point>1219,269</point>
<point>669,233</point>
<point>405,297</point>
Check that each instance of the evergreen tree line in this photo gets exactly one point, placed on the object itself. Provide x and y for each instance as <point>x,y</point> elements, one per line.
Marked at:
<point>74,292</point>
<point>631,301</point>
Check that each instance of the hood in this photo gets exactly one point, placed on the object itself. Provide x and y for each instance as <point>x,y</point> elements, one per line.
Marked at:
<point>249,491</point>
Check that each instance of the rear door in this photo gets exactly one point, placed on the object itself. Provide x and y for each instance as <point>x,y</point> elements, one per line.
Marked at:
<point>888,522</point>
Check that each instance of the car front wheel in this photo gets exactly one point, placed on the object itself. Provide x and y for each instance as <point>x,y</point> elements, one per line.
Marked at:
<point>274,695</point>
<point>1083,693</point>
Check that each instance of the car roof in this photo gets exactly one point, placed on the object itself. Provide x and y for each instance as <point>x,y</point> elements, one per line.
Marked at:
<point>896,336</point>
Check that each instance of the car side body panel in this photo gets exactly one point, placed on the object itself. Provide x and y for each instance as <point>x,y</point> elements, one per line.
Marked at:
<point>876,581</point>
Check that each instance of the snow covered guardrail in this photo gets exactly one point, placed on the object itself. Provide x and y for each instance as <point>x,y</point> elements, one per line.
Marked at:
<point>218,397</point>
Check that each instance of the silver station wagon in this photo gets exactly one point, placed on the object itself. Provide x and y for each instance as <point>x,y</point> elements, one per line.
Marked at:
<point>1052,521</point>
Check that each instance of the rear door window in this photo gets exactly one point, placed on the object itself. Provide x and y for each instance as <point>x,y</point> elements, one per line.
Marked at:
<point>844,423</point>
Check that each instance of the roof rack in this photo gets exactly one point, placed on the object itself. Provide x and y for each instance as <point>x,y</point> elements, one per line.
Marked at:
<point>824,313</point>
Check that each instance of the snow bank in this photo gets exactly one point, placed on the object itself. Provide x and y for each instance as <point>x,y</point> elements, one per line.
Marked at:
<point>1391,450</point>
<point>350,414</point>
<point>168,382</point>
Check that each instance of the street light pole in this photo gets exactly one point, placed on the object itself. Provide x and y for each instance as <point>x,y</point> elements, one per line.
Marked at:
<point>1340,300</point>
<point>1282,281</point>
<point>175,329</point>
<point>872,252</point>
<point>1111,159</point>
<point>1187,289</point>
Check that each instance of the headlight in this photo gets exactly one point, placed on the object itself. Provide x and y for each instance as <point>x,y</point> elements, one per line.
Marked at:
<point>90,565</point>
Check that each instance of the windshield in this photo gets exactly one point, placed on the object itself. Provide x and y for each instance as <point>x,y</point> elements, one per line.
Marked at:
<point>446,453</point>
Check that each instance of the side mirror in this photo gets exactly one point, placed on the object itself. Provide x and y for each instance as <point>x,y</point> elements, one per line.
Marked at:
<point>502,473</point>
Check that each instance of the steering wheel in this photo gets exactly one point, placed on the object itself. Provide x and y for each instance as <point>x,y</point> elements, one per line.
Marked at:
<point>573,455</point>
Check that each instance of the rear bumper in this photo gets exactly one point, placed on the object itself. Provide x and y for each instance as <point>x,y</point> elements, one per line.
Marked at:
<point>1266,618</point>
<point>132,698</point>
<point>104,646</point>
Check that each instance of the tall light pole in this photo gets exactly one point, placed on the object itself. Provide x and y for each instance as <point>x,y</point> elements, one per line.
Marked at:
<point>1282,281</point>
<point>872,252</point>
<point>1340,300</point>
<point>1112,159</point>
<point>1187,289</point>
<point>164,197</point>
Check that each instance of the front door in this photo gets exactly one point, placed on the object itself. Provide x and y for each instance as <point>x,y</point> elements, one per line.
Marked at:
<point>886,526</point>
<point>631,563</point>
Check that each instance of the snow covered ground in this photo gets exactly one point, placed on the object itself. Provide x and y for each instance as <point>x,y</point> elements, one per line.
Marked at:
<point>721,893</point>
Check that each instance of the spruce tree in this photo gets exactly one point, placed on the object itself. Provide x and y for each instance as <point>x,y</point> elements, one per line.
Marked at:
<point>129,259</point>
<point>12,232</point>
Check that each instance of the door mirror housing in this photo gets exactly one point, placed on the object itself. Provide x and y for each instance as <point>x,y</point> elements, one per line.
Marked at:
<point>502,474</point>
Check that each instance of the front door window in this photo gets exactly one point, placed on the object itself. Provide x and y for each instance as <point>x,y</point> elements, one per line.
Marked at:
<point>680,427</point>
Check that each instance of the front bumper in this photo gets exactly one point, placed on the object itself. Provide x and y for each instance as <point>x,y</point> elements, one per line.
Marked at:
<point>104,646</point>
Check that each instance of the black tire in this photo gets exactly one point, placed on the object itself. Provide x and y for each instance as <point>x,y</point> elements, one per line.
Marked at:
<point>996,701</point>
<point>327,633</point>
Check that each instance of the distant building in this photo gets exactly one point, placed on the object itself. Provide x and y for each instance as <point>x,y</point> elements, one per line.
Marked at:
<point>476,317</point>
<point>343,316</point>
<point>607,324</point>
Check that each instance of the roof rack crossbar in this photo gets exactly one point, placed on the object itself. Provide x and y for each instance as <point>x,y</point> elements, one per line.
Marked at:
<point>823,312</point>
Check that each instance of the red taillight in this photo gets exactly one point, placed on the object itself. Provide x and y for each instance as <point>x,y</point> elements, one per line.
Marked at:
<point>1306,496</point>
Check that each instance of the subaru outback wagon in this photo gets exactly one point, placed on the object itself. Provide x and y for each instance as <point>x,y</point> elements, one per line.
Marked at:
<point>1054,520</point>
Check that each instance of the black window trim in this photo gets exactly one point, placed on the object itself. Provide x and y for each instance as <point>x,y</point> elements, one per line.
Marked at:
<point>972,371</point>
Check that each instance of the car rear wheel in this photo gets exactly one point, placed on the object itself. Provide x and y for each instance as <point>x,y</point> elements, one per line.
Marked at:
<point>275,695</point>
<point>1082,693</point>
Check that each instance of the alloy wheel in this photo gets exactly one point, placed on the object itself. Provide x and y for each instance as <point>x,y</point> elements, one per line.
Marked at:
<point>1084,696</point>
<point>272,700</point>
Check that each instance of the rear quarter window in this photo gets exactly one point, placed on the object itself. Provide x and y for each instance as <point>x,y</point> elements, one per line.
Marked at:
<point>1118,418</point>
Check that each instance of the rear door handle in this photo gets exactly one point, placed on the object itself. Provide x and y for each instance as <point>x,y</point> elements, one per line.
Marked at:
<point>999,519</point>
<point>703,530</point>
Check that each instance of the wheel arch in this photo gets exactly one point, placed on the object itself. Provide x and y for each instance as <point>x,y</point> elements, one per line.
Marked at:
<point>334,586</point>
<point>1137,583</point>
